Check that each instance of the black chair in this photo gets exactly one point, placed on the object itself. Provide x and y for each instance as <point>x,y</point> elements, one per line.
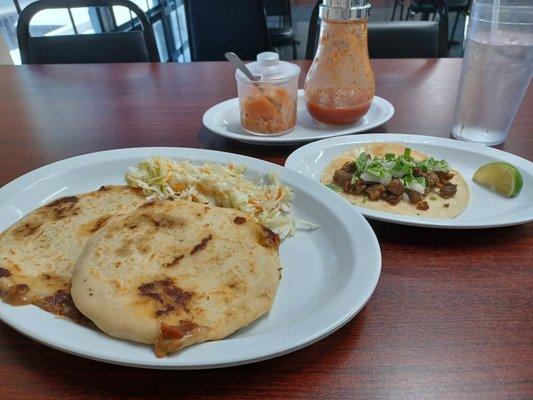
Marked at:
<point>429,7</point>
<point>398,3</point>
<point>403,39</point>
<point>215,27</point>
<point>109,47</point>
<point>459,7</point>
<point>424,7</point>
<point>398,39</point>
<point>282,34</point>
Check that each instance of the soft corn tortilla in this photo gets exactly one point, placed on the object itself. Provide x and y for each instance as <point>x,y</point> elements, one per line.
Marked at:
<point>175,273</point>
<point>38,253</point>
<point>457,204</point>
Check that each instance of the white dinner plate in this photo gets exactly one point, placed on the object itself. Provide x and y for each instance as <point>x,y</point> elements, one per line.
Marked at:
<point>328,273</point>
<point>224,119</point>
<point>485,209</point>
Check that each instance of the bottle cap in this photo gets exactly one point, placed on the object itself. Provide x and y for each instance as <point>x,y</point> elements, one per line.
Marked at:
<point>344,10</point>
<point>271,69</point>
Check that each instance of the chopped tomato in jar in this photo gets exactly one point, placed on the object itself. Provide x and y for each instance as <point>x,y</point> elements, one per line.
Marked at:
<point>268,110</point>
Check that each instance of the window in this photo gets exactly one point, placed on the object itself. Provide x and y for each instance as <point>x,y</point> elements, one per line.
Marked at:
<point>168,23</point>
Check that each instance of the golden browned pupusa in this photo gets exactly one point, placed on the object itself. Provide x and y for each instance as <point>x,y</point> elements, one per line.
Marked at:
<point>37,254</point>
<point>175,273</point>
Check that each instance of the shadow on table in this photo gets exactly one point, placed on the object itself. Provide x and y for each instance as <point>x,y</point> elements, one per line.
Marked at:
<point>404,235</point>
<point>275,154</point>
<point>58,375</point>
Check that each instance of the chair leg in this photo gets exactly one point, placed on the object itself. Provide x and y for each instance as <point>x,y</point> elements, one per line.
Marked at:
<point>294,52</point>
<point>455,26</point>
<point>401,9</point>
<point>394,10</point>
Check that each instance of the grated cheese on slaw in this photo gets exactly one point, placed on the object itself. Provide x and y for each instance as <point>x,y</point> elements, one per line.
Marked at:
<point>267,199</point>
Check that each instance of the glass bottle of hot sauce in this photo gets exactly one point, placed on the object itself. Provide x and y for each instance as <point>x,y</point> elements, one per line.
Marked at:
<point>340,84</point>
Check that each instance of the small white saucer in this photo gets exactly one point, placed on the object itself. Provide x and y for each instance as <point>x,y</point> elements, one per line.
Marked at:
<point>224,119</point>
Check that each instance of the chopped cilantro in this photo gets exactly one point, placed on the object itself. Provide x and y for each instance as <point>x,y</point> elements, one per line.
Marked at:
<point>383,169</point>
<point>360,162</point>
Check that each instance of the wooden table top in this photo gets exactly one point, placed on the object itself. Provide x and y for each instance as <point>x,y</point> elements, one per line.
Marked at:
<point>451,317</point>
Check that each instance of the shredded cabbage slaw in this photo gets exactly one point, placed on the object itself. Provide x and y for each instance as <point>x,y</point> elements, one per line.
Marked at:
<point>267,199</point>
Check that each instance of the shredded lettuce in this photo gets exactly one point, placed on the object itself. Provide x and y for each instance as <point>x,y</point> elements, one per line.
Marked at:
<point>267,199</point>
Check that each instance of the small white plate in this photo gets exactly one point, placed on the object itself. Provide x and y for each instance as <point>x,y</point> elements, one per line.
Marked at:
<point>485,209</point>
<point>224,119</point>
<point>328,273</point>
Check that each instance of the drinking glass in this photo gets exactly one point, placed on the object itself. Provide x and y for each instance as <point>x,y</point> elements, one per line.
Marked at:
<point>497,69</point>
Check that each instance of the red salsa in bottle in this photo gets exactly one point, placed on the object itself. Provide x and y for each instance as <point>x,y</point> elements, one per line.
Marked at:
<point>340,84</point>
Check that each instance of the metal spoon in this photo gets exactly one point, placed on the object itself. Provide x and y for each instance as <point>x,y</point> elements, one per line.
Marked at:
<point>235,60</point>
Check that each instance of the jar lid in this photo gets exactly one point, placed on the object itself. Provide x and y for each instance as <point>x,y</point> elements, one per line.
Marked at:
<point>344,10</point>
<point>270,68</point>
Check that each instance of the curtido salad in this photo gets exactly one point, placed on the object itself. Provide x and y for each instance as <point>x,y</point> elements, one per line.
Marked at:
<point>267,199</point>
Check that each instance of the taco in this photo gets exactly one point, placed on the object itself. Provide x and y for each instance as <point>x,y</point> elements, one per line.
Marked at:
<point>390,177</point>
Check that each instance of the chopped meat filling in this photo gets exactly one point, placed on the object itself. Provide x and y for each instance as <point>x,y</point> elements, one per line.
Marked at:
<point>395,187</point>
<point>349,167</point>
<point>432,178</point>
<point>423,205</point>
<point>448,190</point>
<point>357,187</point>
<point>392,199</point>
<point>342,177</point>
<point>414,196</point>
<point>375,191</point>
<point>444,176</point>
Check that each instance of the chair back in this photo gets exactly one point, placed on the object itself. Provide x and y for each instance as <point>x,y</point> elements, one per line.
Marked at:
<point>109,47</point>
<point>403,39</point>
<point>396,39</point>
<point>280,9</point>
<point>215,27</point>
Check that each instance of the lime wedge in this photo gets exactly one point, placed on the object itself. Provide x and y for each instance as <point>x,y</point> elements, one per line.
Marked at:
<point>500,177</point>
